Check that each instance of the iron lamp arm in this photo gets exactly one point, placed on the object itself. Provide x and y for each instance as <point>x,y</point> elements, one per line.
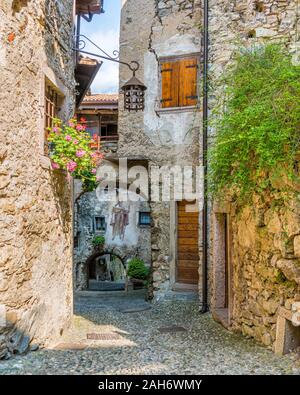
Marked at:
<point>81,44</point>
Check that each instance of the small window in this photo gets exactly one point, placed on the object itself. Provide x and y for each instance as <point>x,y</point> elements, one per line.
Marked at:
<point>179,79</point>
<point>53,101</point>
<point>109,132</point>
<point>144,219</point>
<point>100,224</point>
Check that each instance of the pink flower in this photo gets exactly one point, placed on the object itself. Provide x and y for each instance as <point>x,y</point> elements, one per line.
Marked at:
<point>71,124</point>
<point>80,153</point>
<point>94,171</point>
<point>55,165</point>
<point>71,166</point>
<point>68,138</point>
<point>75,142</point>
<point>98,179</point>
<point>55,129</point>
<point>80,127</point>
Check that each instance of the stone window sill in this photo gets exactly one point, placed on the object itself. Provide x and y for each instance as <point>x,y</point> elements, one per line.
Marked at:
<point>175,110</point>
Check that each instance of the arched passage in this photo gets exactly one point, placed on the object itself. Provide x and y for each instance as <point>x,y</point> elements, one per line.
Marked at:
<point>106,271</point>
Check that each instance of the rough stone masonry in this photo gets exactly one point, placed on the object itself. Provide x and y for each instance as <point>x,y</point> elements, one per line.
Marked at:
<point>35,202</point>
<point>265,276</point>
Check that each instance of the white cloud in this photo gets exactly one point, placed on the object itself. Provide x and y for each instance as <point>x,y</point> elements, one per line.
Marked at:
<point>107,79</point>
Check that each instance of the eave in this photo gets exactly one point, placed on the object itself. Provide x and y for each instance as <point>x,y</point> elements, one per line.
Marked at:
<point>85,73</point>
<point>89,6</point>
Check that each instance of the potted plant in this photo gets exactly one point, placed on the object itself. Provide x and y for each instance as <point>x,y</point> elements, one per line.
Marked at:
<point>98,241</point>
<point>138,272</point>
<point>71,151</point>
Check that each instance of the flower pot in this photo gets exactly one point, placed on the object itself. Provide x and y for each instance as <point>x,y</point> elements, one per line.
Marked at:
<point>137,283</point>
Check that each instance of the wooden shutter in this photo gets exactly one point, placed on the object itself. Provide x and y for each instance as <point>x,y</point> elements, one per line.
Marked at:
<point>169,81</point>
<point>188,82</point>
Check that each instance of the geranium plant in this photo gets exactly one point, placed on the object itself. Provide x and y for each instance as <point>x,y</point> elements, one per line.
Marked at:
<point>71,150</point>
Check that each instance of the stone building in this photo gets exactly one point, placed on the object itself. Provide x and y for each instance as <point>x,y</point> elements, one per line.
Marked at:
<point>124,225</point>
<point>166,41</point>
<point>243,261</point>
<point>37,75</point>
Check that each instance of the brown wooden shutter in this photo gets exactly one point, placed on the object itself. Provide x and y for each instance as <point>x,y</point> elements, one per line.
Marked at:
<point>169,81</point>
<point>188,82</point>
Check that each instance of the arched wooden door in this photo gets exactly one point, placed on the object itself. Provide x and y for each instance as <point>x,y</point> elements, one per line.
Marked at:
<point>187,245</point>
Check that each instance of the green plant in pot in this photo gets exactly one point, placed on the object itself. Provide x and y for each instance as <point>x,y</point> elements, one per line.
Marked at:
<point>98,241</point>
<point>138,272</point>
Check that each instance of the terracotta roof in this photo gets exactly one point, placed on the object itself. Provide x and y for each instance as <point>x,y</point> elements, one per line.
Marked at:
<point>101,98</point>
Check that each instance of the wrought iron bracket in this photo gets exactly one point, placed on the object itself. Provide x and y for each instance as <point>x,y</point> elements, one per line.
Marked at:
<point>81,42</point>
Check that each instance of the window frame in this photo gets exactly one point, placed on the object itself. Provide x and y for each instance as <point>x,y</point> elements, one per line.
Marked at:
<point>140,223</point>
<point>103,229</point>
<point>174,58</point>
<point>98,124</point>
<point>55,103</point>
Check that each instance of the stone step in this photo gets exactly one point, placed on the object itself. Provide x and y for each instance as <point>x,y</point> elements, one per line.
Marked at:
<point>181,296</point>
<point>106,286</point>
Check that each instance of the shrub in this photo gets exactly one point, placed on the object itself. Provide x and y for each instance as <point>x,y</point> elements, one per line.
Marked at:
<point>98,241</point>
<point>137,269</point>
<point>258,128</point>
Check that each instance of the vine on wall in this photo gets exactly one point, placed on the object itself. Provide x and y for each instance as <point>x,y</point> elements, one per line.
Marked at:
<point>258,125</point>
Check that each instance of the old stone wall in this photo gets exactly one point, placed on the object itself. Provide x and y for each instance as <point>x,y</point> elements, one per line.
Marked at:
<point>164,28</point>
<point>266,266</point>
<point>35,202</point>
<point>264,243</point>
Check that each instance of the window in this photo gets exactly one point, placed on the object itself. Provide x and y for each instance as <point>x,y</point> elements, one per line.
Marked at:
<point>103,126</point>
<point>109,132</point>
<point>52,107</point>
<point>144,219</point>
<point>99,224</point>
<point>179,82</point>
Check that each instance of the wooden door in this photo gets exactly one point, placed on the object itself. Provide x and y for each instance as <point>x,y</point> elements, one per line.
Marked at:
<point>187,246</point>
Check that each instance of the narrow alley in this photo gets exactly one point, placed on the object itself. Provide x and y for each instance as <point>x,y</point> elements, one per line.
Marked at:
<point>133,338</point>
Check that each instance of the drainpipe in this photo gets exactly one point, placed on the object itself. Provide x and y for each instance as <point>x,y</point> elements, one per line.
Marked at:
<point>204,307</point>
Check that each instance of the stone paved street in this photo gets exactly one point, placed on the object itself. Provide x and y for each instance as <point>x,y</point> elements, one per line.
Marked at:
<point>140,348</point>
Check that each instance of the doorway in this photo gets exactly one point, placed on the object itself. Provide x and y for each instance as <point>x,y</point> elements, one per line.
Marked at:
<point>187,267</point>
<point>222,269</point>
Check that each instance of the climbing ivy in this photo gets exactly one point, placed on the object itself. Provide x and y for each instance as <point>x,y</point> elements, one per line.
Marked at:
<point>258,125</point>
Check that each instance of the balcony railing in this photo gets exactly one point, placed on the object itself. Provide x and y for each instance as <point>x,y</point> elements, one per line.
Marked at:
<point>96,144</point>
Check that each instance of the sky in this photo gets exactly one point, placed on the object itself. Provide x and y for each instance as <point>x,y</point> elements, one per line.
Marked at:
<point>104,31</point>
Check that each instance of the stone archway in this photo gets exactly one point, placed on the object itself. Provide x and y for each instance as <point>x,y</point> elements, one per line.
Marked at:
<point>103,274</point>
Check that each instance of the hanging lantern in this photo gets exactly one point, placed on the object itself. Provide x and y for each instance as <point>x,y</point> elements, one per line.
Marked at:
<point>134,94</point>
